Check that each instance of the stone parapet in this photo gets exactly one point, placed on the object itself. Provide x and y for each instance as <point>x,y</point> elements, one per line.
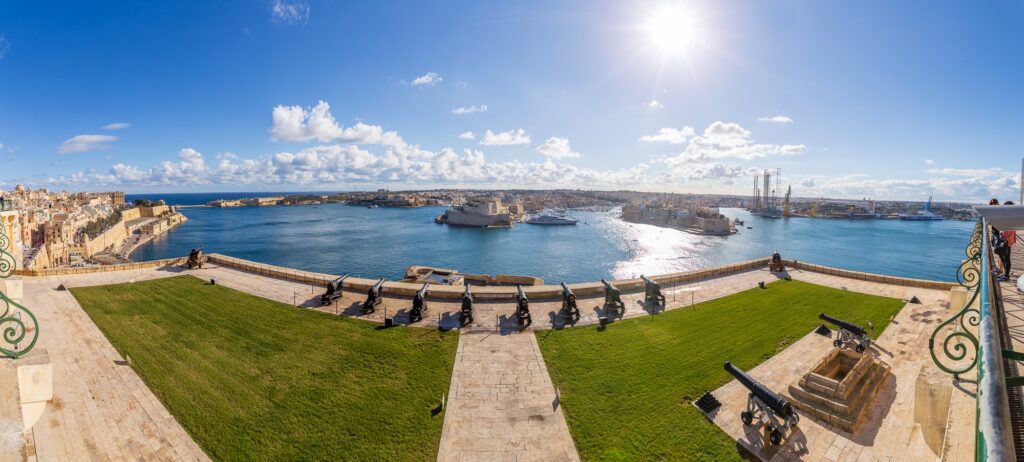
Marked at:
<point>101,269</point>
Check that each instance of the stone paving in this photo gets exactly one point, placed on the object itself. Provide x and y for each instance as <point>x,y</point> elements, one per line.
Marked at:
<point>889,431</point>
<point>501,404</point>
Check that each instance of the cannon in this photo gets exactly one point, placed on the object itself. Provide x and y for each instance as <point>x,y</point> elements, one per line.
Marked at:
<point>195,259</point>
<point>466,314</point>
<point>569,302</point>
<point>775,265</point>
<point>419,303</point>
<point>848,331</point>
<point>522,306</point>
<point>652,292</point>
<point>373,297</point>
<point>333,291</point>
<point>766,405</point>
<point>613,296</point>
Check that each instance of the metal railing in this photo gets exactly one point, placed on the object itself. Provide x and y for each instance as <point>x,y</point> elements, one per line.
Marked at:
<point>993,437</point>
<point>19,329</point>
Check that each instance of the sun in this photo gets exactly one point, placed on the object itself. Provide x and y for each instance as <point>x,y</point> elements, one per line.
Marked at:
<point>674,30</point>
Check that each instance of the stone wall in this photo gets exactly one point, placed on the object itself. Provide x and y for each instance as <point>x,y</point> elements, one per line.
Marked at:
<point>101,269</point>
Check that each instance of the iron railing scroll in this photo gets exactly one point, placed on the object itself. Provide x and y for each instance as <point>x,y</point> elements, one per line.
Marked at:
<point>960,341</point>
<point>19,329</point>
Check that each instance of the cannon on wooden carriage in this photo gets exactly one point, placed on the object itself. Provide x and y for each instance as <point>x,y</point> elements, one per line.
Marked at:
<point>522,306</point>
<point>775,265</point>
<point>466,313</point>
<point>419,303</point>
<point>613,296</point>
<point>373,297</point>
<point>569,302</point>
<point>848,332</point>
<point>334,291</point>
<point>196,259</point>
<point>652,292</point>
<point>765,405</point>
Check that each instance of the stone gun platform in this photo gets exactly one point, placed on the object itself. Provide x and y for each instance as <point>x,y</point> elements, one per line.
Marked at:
<point>839,388</point>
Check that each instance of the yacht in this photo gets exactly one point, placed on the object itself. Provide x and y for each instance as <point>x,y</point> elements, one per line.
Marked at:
<point>925,214</point>
<point>551,220</point>
<point>479,212</point>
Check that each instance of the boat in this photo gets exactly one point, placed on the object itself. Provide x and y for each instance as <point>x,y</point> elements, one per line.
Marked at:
<point>373,206</point>
<point>738,221</point>
<point>925,214</point>
<point>750,227</point>
<point>480,213</point>
<point>551,220</point>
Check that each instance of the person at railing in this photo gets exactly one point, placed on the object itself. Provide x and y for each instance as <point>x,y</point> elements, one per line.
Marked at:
<point>2,201</point>
<point>1008,239</point>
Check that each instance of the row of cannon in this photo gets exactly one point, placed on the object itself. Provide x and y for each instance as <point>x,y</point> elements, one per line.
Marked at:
<point>612,298</point>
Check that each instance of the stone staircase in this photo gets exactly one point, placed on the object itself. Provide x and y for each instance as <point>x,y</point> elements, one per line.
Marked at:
<point>840,387</point>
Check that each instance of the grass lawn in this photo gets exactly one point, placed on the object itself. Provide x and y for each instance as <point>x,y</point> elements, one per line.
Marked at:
<point>254,379</point>
<point>626,391</point>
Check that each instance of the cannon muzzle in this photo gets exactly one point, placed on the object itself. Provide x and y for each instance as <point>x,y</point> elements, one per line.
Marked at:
<point>377,285</point>
<point>466,293</point>
<point>422,293</point>
<point>849,326</point>
<point>566,291</point>
<point>520,295</point>
<point>607,285</point>
<point>777,403</point>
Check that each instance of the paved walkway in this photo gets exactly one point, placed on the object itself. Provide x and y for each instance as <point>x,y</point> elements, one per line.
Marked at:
<point>501,403</point>
<point>890,432</point>
<point>101,409</point>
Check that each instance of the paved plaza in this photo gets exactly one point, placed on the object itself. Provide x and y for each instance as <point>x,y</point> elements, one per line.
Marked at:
<point>501,404</point>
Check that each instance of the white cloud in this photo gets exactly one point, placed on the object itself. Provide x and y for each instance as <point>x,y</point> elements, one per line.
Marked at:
<point>779,119</point>
<point>929,161</point>
<point>971,172</point>
<point>4,46</point>
<point>507,138</point>
<point>295,123</point>
<point>470,109</point>
<point>290,12</point>
<point>467,136</point>
<point>669,135</point>
<point>729,140</point>
<point>116,126</point>
<point>430,78</point>
<point>807,182</point>
<point>86,143</point>
<point>558,148</point>
<point>654,104</point>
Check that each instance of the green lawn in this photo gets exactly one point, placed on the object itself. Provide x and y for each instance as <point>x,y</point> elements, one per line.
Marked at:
<point>626,391</point>
<point>253,379</point>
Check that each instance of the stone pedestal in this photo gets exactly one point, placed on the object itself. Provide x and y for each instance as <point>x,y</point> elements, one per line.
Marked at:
<point>840,387</point>
<point>12,288</point>
<point>932,394</point>
<point>30,380</point>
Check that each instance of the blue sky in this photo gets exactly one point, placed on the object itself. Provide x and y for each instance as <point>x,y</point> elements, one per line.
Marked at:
<point>894,100</point>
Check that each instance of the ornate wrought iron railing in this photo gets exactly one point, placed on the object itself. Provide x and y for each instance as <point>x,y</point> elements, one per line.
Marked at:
<point>19,329</point>
<point>974,328</point>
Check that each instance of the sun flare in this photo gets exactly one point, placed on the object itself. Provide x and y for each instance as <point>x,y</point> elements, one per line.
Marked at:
<point>673,30</point>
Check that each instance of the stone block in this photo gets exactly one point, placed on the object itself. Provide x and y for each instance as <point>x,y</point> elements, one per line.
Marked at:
<point>35,385</point>
<point>932,393</point>
<point>12,287</point>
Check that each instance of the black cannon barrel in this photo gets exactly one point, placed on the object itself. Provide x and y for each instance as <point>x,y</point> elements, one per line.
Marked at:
<point>608,285</point>
<point>773,400</point>
<point>467,294</point>
<point>858,330</point>
<point>377,285</point>
<point>520,295</point>
<point>336,284</point>
<point>566,291</point>
<point>648,281</point>
<point>422,293</point>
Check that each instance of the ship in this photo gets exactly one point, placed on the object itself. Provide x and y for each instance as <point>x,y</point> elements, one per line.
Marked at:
<point>551,220</point>
<point>480,213</point>
<point>925,214</point>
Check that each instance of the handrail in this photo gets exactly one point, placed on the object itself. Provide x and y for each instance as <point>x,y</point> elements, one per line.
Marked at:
<point>19,327</point>
<point>994,437</point>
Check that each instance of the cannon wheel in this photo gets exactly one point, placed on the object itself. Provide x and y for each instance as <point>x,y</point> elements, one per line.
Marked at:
<point>859,348</point>
<point>837,343</point>
<point>747,417</point>
<point>775,436</point>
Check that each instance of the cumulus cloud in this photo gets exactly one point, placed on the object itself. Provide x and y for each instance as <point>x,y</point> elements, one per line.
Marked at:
<point>929,161</point>
<point>467,136</point>
<point>116,126</point>
<point>779,119</point>
<point>295,123</point>
<point>807,182</point>
<point>86,143</point>
<point>429,79</point>
<point>722,140</point>
<point>712,170</point>
<point>669,135</point>
<point>4,46</point>
<point>971,172</point>
<point>654,104</point>
<point>470,109</point>
<point>557,148</point>
<point>507,138</point>
<point>290,12</point>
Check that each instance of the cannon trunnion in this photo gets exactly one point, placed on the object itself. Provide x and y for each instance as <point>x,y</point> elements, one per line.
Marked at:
<point>466,312</point>
<point>765,405</point>
<point>652,292</point>
<point>848,331</point>
<point>419,303</point>
<point>373,296</point>
<point>522,306</point>
<point>569,302</point>
<point>613,296</point>
<point>334,291</point>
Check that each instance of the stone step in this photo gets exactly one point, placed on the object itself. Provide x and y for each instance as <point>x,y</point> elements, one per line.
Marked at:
<point>836,404</point>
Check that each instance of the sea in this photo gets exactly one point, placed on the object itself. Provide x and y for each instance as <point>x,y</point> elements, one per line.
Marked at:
<point>382,242</point>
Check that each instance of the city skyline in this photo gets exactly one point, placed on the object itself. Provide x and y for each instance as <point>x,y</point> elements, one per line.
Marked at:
<point>869,100</point>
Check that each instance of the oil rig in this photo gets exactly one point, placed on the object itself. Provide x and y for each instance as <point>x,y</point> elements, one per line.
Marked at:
<point>766,201</point>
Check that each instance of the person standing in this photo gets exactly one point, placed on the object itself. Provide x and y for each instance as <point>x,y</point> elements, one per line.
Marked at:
<point>1009,238</point>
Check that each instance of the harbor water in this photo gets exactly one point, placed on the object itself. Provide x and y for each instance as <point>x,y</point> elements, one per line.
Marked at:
<point>342,239</point>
